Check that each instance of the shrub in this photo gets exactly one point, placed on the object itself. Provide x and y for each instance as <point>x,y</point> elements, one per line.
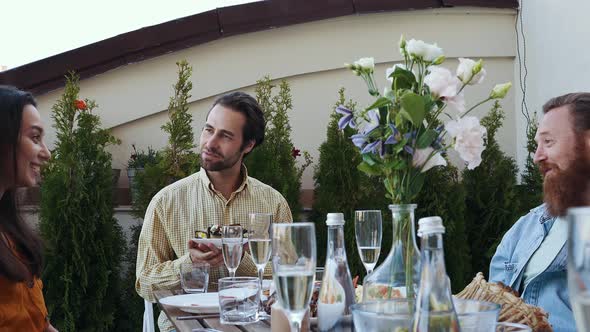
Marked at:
<point>84,241</point>
<point>274,162</point>
<point>492,199</point>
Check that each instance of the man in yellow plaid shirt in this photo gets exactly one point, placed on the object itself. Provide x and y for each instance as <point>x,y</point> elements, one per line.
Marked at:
<point>221,193</point>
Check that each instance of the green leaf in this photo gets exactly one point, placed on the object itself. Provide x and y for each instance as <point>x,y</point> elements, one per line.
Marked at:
<point>415,185</point>
<point>402,78</point>
<point>413,104</point>
<point>382,101</point>
<point>368,158</point>
<point>426,139</point>
<point>369,169</point>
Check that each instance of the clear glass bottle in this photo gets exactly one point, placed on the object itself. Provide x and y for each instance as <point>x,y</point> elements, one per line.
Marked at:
<point>337,292</point>
<point>435,311</point>
<point>399,274</point>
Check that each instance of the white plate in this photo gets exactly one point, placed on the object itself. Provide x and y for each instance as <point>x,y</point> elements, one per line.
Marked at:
<point>215,241</point>
<point>194,303</point>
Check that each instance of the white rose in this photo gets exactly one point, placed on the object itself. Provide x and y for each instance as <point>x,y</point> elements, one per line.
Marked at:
<point>443,84</point>
<point>420,49</point>
<point>470,71</point>
<point>366,63</point>
<point>421,159</point>
<point>469,136</point>
<point>389,71</point>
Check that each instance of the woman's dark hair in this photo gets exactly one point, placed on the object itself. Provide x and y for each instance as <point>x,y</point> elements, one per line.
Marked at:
<point>244,103</point>
<point>27,242</point>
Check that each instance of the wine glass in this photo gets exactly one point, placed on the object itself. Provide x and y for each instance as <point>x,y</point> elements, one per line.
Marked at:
<point>367,227</point>
<point>259,241</point>
<point>231,244</point>
<point>294,263</point>
<point>578,270</point>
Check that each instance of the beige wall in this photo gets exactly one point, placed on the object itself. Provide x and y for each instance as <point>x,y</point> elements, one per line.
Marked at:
<point>310,56</point>
<point>556,55</point>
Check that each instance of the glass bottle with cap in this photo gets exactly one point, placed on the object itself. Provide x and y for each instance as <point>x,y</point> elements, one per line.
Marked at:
<point>434,305</point>
<point>337,292</point>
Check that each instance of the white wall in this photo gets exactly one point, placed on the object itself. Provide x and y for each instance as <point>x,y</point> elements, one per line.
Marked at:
<point>557,54</point>
<point>310,56</point>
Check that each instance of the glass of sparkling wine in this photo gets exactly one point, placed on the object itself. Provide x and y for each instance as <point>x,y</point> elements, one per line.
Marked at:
<point>231,245</point>
<point>578,269</point>
<point>259,241</point>
<point>367,227</point>
<point>294,263</point>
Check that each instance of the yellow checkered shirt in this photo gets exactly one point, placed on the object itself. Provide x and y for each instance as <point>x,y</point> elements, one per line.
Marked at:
<point>189,205</point>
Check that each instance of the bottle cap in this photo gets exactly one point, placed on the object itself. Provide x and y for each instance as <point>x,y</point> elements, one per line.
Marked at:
<point>335,219</point>
<point>430,225</point>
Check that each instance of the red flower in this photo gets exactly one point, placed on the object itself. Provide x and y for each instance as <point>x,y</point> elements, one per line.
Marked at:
<point>295,153</point>
<point>80,104</point>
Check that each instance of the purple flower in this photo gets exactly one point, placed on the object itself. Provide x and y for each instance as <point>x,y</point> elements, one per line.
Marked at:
<point>359,140</point>
<point>409,149</point>
<point>373,121</point>
<point>394,137</point>
<point>347,118</point>
<point>371,147</point>
<point>411,137</point>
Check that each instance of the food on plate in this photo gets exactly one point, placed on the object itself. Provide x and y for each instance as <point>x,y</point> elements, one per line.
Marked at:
<point>215,232</point>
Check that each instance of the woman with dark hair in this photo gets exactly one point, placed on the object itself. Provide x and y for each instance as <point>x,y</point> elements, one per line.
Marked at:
<point>22,153</point>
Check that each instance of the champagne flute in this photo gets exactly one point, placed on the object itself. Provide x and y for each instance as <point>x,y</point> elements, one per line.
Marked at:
<point>294,263</point>
<point>578,270</point>
<point>367,227</point>
<point>259,241</point>
<point>231,246</point>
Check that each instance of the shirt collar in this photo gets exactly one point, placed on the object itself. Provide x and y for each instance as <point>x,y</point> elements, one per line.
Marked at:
<point>207,182</point>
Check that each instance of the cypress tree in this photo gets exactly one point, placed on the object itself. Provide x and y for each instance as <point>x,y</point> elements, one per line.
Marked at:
<point>83,239</point>
<point>175,162</point>
<point>341,187</point>
<point>274,161</point>
<point>531,186</point>
<point>492,199</point>
<point>444,196</point>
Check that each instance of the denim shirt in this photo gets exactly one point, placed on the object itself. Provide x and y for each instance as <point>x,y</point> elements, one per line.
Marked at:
<point>548,290</point>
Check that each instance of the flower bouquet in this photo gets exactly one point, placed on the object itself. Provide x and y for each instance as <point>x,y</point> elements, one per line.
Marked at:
<point>400,137</point>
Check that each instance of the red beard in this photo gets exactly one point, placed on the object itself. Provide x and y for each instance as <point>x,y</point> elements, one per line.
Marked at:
<point>570,187</point>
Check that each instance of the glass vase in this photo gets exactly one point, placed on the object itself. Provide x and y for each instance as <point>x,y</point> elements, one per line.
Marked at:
<point>399,274</point>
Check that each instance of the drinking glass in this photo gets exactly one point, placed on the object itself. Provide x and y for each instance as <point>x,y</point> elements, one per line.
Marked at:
<point>294,263</point>
<point>259,241</point>
<point>367,227</point>
<point>231,246</point>
<point>194,277</point>
<point>238,300</point>
<point>578,269</point>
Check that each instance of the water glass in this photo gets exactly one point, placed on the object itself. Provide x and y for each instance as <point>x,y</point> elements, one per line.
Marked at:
<point>512,327</point>
<point>232,240</point>
<point>239,299</point>
<point>368,231</point>
<point>194,277</point>
<point>476,316</point>
<point>383,316</point>
<point>294,263</point>
<point>578,269</point>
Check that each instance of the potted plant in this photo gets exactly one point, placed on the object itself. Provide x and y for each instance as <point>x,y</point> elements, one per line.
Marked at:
<point>136,164</point>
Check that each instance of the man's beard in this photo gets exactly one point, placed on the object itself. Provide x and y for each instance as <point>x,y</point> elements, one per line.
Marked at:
<point>570,187</point>
<point>223,164</point>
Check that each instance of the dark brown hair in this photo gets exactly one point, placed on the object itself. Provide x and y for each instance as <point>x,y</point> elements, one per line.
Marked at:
<point>244,103</point>
<point>27,242</point>
<point>579,106</point>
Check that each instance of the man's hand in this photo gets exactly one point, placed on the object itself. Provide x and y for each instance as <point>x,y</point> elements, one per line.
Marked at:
<point>205,253</point>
